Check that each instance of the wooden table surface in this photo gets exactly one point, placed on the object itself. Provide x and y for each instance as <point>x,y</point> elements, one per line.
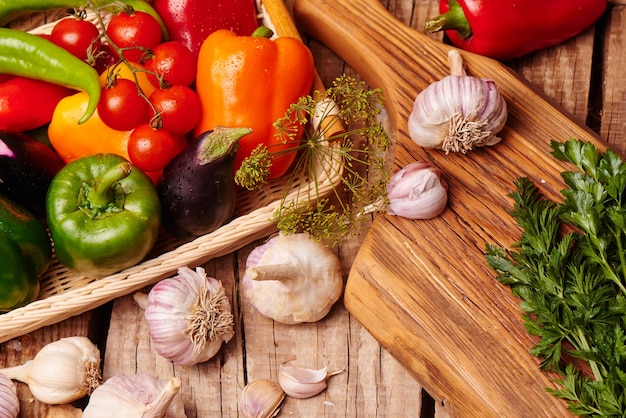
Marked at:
<point>584,75</point>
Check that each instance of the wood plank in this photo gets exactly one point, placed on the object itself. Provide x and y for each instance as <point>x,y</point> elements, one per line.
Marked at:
<point>613,118</point>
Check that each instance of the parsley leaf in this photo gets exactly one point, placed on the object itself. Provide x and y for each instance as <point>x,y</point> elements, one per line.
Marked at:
<point>569,270</point>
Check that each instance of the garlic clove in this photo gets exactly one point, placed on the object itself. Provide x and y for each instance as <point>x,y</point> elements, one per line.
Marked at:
<point>61,372</point>
<point>9,402</point>
<point>302,383</point>
<point>293,278</point>
<point>139,395</point>
<point>189,316</point>
<point>417,191</point>
<point>261,399</point>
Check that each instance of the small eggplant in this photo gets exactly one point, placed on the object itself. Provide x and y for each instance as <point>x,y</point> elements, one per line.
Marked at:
<point>197,190</point>
<point>27,167</point>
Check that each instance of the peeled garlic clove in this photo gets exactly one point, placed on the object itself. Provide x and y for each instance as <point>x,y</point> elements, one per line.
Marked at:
<point>458,112</point>
<point>293,279</point>
<point>9,403</point>
<point>139,395</point>
<point>417,191</point>
<point>61,372</point>
<point>302,383</point>
<point>189,317</point>
<point>261,399</point>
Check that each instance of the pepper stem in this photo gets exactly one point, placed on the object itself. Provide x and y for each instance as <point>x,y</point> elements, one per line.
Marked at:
<point>262,32</point>
<point>453,19</point>
<point>100,195</point>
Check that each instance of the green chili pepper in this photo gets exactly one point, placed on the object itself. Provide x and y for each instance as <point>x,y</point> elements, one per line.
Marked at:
<point>9,9</point>
<point>104,215</point>
<point>25,251</point>
<point>32,56</point>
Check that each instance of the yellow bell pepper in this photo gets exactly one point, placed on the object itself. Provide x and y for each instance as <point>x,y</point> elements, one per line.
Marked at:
<point>72,141</point>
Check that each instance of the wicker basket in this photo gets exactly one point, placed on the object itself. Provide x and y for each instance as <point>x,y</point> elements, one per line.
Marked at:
<point>65,294</point>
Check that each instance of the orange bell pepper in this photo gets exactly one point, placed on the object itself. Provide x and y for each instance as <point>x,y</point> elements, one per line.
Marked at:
<point>250,81</point>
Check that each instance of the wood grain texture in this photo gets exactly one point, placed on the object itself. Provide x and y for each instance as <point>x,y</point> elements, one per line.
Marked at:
<point>613,121</point>
<point>428,295</point>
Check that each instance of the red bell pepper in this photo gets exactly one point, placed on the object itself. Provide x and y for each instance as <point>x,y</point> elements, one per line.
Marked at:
<point>192,21</point>
<point>27,104</point>
<point>507,29</point>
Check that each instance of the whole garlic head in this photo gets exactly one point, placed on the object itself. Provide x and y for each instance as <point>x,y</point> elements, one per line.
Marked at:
<point>9,403</point>
<point>458,112</point>
<point>136,396</point>
<point>189,316</point>
<point>293,279</point>
<point>61,372</point>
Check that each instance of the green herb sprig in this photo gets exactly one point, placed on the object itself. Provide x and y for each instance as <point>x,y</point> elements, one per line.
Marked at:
<point>361,149</point>
<point>569,269</point>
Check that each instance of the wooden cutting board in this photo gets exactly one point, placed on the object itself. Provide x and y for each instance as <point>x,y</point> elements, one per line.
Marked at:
<point>423,288</point>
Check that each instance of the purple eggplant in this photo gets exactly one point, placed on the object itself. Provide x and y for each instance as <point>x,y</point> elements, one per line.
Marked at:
<point>27,167</point>
<point>197,190</point>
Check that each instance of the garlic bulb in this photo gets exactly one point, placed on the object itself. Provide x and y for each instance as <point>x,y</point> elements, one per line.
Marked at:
<point>9,403</point>
<point>458,112</point>
<point>261,399</point>
<point>302,383</point>
<point>417,191</point>
<point>292,279</point>
<point>136,396</point>
<point>61,372</point>
<point>189,316</point>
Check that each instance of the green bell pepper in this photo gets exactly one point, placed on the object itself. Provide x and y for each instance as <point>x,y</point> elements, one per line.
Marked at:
<point>104,214</point>
<point>25,251</point>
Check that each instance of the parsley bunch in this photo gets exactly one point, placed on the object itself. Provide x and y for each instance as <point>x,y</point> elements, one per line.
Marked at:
<point>569,269</point>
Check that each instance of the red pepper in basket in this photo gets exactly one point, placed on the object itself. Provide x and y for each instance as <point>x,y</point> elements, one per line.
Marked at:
<point>191,21</point>
<point>27,104</point>
<point>507,29</point>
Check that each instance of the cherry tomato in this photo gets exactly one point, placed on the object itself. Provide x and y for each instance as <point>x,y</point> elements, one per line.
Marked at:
<point>151,149</point>
<point>137,30</point>
<point>174,62</point>
<point>76,36</point>
<point>121,107</point>
<point>179,107</point>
